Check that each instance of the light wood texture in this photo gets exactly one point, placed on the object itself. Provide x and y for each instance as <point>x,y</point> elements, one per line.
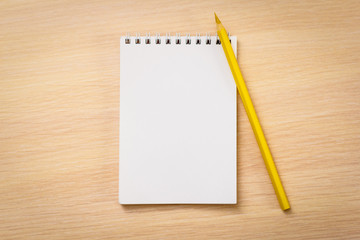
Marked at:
<point>59,97</point>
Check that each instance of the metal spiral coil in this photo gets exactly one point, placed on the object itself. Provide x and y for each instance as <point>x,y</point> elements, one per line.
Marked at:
<point>176,39</point>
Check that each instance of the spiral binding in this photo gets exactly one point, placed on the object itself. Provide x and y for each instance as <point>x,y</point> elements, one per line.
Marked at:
<point>177,39</point>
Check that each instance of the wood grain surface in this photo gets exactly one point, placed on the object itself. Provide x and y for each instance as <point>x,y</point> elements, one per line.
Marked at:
<point>59,98</point>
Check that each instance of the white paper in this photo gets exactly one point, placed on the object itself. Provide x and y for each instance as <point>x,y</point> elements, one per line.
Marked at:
<point>177,123</point>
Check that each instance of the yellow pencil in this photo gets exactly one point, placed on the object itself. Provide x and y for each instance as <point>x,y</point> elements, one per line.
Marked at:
<point>254,121</point>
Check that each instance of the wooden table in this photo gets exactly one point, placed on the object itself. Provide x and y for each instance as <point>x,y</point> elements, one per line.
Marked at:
<point>59,97</point>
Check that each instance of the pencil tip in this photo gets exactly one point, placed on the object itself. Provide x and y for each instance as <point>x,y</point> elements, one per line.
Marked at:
<point>217,19</point>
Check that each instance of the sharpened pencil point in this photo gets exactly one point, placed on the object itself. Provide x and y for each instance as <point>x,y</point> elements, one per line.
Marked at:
<point>217,19</point>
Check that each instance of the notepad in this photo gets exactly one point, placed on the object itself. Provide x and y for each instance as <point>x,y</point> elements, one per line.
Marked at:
<point>177,141</point>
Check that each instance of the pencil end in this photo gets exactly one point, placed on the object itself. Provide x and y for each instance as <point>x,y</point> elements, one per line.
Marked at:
<point>217,20</point>
<point>284,203</point>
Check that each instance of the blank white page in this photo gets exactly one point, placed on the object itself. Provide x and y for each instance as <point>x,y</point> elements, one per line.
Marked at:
<point>177,123</point>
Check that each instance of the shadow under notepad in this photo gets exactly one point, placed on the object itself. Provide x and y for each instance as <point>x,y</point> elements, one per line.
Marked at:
<point>172,207</point>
